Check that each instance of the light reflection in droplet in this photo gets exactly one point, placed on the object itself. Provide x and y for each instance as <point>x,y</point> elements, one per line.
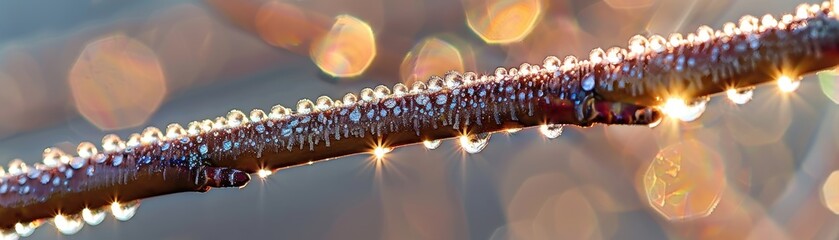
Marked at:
<point>830,192</point>
<point>347,49</point>
<point>68,225</point>
<point>117,82</point>
<point>740,97</point>
<point>474,143</point>
<point>379,152</point>
<point>678,108</point>
<point>432,144</point>
<point>685,181</point>
<point>787,84</point>
<point>429,57</point>
<point>264,173</point>
<point>502,21</point>
<point>93,217</point>
<point>551,131</point>
<point>26,229</point>
<point>124,212</point>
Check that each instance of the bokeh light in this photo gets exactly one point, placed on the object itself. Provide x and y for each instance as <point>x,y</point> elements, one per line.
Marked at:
<point>830,192</point>
<point>828,81</point>
<point>285,25</point>
<point>432,56</point>
<point>502,21</point>
<point>629,4</point>
<point>685,181</point>
<point>347,49</point>
<point>117,82</point>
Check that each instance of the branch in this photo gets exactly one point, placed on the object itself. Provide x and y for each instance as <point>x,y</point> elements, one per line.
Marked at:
<point>618,87</point>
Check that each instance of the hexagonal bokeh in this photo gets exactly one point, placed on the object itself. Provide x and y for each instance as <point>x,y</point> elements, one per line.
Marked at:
<point>830,192</point>
<point>347,49</point>
<point>502,21</point>
<point>685,181</point>
<point>117,82</point>
<point>432,56</point>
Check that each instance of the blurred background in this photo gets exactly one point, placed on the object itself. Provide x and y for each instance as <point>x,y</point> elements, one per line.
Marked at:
<point>73,71</point>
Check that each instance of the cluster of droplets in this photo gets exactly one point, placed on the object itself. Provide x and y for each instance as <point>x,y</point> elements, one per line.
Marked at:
<point>71,224</point>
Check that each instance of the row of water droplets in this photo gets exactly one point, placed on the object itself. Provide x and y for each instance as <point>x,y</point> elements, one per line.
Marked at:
<point>71,224</point>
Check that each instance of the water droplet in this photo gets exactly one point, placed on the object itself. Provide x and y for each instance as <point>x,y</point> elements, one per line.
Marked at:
<point>324,103</point>
<point>656,123</point>
<point>588,82</point>
<point>350,99</point>
<point>474,143</point>
<point>264,173</point>
<point>133,140</point>
<point>52,157</point>
<point>435,84</point>
<point>112,143</point>
<point>596,56</point>
<point>551,131</point>
<point>676,40</point>
<point>788,84</point>
<point>207,125</point>
<point>17,167</point>
<point>500,73</point>
<point>151,135</point>
<point>2,172</point>
<point>68,225</point>
<point>124,212</point>
<point>86,150</point>
<point>174,131</point>
<point>524,69</point>
<point>704,33</point>
<point>748,24</point>
<point>381,91</point>
<point>257,115</point>
<point>512,130</point>
<point>551,63</point>
<point>93,217</point>
<point>802,11</point>
<point>400,89</point>
<point>279,112</point>
<point>469,78</point>
<point>741,96</point>
<point>220,123</point>
<point>615,55</point>
<point>8,235</point>
<point>26,229</point>
<point>236,118</point>
<point>418,87</point>
<point>432,144</point>
<point>569,63</point>
<point>453,79</point>
<point>767,22</point>
<point>203,149</point>
<point>657,43</point>
<point>638,45</point>
<point>695,109</point>
<point>367,95</point>
<point>730,29</point>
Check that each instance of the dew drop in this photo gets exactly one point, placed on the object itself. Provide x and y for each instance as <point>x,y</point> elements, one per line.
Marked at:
<point>435,84</point>
<point>17,167</point>
<point>151,135</point>
<point>86,150</point>
<point>500,73</point>
<point>730,29</point>
<point>524,69</point>
<point>432,144</point>
<point>112,143</point>
<point>367,95</point>
<point>324,103</point>
<point>695,109</point>
<point>350,99</point>
<point>588,82</point>
<point>657,43</point>
<point>279,112</point>
<point>569,63</point>
<point>551,63</point>
<point>704,33</point>
<point>512,130</point>
<point>418,87</point>
<point>802,11</point>
<point>596,56</point>
<point>26,229</point>
<point>400,90</point>
<point>207,125</point>
<point>133,140</point>
<point>551,131</point>
<point>453,79</point>
<point>257,115</point>
<point>124,212</point>
<point>767,22</point>
<point>676,40</point>
<point>638,45</point>
<point>93,217</point>
<point>52,157</point>
<point>788,84</point>
<point>236,118</point>
<point>68,224</point>
<point>469,78</point>
<point>8,235</point>
<point>615,55</point>
<point>656,123</point>
<point>474,143</point>
<point>741,96</point>
<point>174,131</point>
<point>381,91</point>
<point>748,24</point>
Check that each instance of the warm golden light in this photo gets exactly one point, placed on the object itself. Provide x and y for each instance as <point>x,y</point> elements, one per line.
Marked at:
<point>264,173</point>
<point>347,49</point>
<point>830,192</point>
<point>379,152</point>
<point>432,56</point>
<point>26,229</point>
<point>513,130</point>
<point>739,96</point>
<point>93,217</point>
<point>67,225</point>
<point>685,181</point>
<point>787,84</point>
<point>502,21</point>
<point>124,212</point>
<point>432,144</point>
<point>678,108</point>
